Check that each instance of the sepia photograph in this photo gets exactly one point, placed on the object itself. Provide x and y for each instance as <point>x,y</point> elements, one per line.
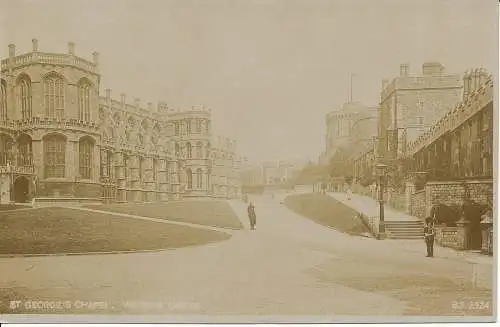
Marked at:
<point>248,161</point>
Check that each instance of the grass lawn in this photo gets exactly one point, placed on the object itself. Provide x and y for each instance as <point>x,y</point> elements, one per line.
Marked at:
<point>326,211</point>
<point>203,212</point>
<point>61,230</point>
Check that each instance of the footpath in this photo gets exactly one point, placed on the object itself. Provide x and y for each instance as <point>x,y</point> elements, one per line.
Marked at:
<point>370,208</point>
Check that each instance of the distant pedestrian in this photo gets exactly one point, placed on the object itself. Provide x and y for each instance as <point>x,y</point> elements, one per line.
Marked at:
<point>251,215</point>
<point>429,234</point>
<point>349,194</point>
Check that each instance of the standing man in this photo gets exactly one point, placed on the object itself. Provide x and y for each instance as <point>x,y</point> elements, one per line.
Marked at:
<point>349,193</point>
<point>251,215</point>
<point>429,236</point>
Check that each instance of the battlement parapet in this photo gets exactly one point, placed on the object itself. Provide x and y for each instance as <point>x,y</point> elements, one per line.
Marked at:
<point>161,110</point>
<point>62,123</point>
<point>36,57</point>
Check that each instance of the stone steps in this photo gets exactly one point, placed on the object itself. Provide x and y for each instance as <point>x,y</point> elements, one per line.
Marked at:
<point>412,229</point>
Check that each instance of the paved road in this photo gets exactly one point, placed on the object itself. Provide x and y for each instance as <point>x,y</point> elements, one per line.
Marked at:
<point>288,266</point>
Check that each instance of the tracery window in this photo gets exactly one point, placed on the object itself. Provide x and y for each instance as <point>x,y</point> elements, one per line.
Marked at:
<point>86,147</point>
<point>125,168</point>
<point>5,149</point>
<point>106,168</point>
<point>25,153</point>
<point>54,96</point>
<point>55,155</point>
<point>199,150</point>
<point>199,176</point>
<point>189,150</point>
<point>189,175</point>
<point>25,97</point>
<point>198,126</point>
<point>3,100</point>
<point>155,168</point>
<point>84,91</point>
<point>141,168</point>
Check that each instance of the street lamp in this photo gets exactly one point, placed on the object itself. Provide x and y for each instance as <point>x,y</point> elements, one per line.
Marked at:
<point>380,172</point>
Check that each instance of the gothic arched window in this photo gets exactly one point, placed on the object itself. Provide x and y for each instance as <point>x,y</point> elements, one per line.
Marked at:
<point>84,96</point>
<point>189,150</point>
<point>86,147</point>
<point>5,148</point>
<point>126,168</point>
<point>198,126</point>
<point>207,153</point>
<point>54,155</point>
<point>131,122</point>
<point>155,169</point>
<point>199,150</point>
<point>141,168</point>
<point>25,96</point>
<point>3,100</point>
<point>25,152</point>
<point>53,86</point>
<point>189,175</point>
<point>199,176</point>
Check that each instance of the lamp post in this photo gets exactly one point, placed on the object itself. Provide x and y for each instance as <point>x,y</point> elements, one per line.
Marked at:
<point>380,171</point>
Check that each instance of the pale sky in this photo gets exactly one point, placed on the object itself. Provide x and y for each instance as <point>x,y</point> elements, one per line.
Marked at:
<point>270,70</point>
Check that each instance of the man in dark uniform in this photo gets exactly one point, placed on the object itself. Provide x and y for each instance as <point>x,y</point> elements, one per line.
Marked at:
<point>429,236</point>
<point>251,216</point>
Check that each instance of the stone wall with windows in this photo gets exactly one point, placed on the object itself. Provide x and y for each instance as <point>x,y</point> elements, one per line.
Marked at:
<point>79,144</point>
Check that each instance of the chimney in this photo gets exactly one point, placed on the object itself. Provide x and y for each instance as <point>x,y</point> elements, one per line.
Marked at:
<point>403,70</point>
<point>34,42</point>
<point>71,48</point>
<point>123,97</point>
<point>432,68</point>
<point>12,50</point>
<point>466,82</point>
<point>95,56</point>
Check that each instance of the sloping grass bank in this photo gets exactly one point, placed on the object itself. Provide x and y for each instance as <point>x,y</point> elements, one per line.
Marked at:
<point>327,211</point>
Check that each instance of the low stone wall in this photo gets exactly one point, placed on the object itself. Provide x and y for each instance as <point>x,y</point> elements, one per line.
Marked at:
<point>418,206</point>
<point>47,188</point>
<point>453,192</point>
<point>447,237</point>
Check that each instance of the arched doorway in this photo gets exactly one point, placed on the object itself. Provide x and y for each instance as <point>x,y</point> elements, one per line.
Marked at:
<point>22,190</point>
